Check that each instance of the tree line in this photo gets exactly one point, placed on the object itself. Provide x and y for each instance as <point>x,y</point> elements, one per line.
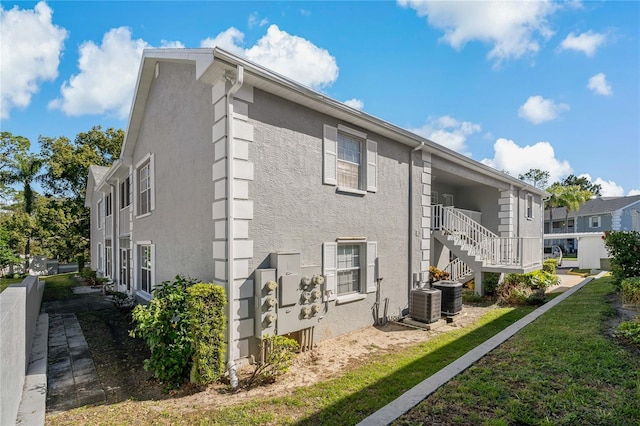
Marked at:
<point>42,195</point>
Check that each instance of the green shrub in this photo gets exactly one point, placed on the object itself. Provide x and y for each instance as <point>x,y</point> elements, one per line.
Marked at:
<point>630,290</point>
<point>630,330</point>
<point>550,265</point>
<point>523,289</point>
<point>624,249</point>
<point>278,353</point>
<point>208,331</point>
<point>165,327</point>
<point>490,282</point>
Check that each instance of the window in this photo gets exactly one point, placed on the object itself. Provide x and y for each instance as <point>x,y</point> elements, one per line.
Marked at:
<point>594,222</point>
<point>529,206</point>
<point>108,207</point>
<point>350,269</point>
<point>125,193</point>
<point>99,214</point>
<point>125,264</point>
<point>145,268</point>
<point>144,189</point>
<point>350,160</point>
<point>100,257</point>
<point>107,258</point>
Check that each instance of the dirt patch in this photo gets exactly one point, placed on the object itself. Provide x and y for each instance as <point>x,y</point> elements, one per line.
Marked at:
<point>119,359</point>
<point>620,312</point>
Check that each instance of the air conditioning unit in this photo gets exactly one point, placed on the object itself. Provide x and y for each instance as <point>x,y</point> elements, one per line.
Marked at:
<point>451,296</point>
<point>425,305</point>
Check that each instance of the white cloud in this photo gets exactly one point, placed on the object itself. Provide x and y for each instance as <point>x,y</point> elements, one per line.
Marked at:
<point>449,132</point>
<point>634,192</point>
<point>586,42</point>
<point>513,29</point>
<point>230,39</point>
<point>518,160</point>
<point>538,109</point>
<point>254,20</point>
<point>30,48</point>
<point>599,84</point>
<point>609,187</point>
<point>171,44</point>
<point>107,76</point>
<point>355,103</point>
<point>289,55</point>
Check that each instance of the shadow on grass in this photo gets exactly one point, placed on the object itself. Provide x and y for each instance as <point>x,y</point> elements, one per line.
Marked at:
<point>358,405</point>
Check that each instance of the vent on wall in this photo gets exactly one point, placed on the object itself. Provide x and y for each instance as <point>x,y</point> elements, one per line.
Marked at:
<point>425,305</point>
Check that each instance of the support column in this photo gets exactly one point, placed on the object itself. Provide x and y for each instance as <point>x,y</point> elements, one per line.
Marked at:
<point>425,241</point>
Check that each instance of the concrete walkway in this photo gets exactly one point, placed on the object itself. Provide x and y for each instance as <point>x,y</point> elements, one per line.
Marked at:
<point>422,390</point>
<point>72,377</point>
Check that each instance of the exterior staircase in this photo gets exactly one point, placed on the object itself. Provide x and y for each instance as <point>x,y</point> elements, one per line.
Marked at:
<point>479,249</point>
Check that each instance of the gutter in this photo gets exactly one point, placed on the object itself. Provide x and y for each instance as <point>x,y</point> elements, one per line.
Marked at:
<point>411,220</point>
<point>231,353</point>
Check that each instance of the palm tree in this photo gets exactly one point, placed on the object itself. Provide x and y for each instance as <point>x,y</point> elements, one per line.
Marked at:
<point>24,170</point>
<point>572,199</point>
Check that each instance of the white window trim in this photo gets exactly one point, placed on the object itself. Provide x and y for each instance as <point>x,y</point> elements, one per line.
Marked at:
<point>368,162</point>
<point>108,201</point>
<point>528,205</point>
<point>152,179</point>
<point>368,268</point>
<point>108,259</point>
<point>591,221</point>
<point>100,213</point>
<point>120,182</point>
<point>136,265</point>
<point>100,263</point>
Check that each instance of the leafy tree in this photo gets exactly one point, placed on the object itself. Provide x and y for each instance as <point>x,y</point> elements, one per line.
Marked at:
<point>536,177</point>
<point>65,181</point>
<point>7,254</point>
<point>24,169</point>
<point>10,147</point>
<point>584,184</point>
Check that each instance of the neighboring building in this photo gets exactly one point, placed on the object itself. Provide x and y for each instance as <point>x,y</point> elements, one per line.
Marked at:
<point>234,174</point>
<point>596,215</point>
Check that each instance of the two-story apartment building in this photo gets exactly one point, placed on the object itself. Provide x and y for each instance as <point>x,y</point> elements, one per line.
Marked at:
<point>301,207</point>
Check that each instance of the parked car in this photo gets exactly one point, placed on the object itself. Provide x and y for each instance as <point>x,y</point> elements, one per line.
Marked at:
<point>553,252</point>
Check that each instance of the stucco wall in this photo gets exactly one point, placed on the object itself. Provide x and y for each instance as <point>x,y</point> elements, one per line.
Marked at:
<point>295,211</point>
<point>177,129</point>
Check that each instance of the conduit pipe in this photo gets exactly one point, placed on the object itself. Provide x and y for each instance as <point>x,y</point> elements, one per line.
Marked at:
<point>411,219</point>
<point>232,352</point>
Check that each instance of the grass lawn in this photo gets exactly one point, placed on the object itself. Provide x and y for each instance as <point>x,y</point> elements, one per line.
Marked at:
<point>560,370</point>
<point>6,282</point>
<point>58,287</point>
<point>344,400</point>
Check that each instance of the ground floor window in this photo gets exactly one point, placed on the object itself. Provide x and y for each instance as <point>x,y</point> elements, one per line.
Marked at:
<point>108,260</point>
<point>348,268</point>
<point>145,267</point>
<point>125,265</point>
<point>100,265</point>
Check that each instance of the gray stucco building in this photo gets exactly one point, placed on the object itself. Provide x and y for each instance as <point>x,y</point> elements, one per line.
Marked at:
<point>299,205</point>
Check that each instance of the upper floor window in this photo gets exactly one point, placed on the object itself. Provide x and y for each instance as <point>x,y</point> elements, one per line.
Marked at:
<point>125,192</point>
<point>594,222</point>
<point>144,186</point>
<point>529,206</point>
<point>350,160</point>
<point>108,206</point>
<point>99,210</point>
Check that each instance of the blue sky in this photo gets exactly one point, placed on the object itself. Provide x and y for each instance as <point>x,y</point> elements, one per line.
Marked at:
<point>516,85</point>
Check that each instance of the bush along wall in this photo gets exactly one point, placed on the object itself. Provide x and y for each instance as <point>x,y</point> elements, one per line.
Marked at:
<point>207,320</point>
<point>165,327</point>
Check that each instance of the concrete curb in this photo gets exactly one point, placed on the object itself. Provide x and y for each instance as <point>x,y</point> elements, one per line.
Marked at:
<point>422,390</point>
<point>34,393</point>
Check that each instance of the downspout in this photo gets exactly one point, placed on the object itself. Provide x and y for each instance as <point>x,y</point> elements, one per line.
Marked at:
<point>411,220</point>
<point>231,353</point>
